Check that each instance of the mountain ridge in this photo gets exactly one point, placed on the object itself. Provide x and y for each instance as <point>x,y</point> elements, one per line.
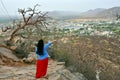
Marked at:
<point>92,13</point>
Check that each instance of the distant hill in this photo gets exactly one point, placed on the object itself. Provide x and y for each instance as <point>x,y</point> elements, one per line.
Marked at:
<point>109,13</point>
<point>101,13</point>
<point>96,13</point>
<point>91,13</point>
<point>63,14</point>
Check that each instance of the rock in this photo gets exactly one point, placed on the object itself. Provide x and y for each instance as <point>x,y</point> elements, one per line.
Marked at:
<point>80,76</point>
<point>64,74</point>
<point>1,62</point>
<point>71,68</point>
<point>55,76</point>
<point>60,63</point>
<point>7,57</point>
<point>33,55</point>
<point>4,76</point>
<point>28,60</point>
<point>13,47</point>
<point>8,53</point>
<point>31,58</point>
<point>67,75</point>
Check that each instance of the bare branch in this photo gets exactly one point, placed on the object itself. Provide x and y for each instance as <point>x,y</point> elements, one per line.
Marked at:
<point>5,29</point>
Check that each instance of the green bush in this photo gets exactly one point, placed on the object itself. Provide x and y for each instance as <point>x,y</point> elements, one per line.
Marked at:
<point>20,53</point>
<point>59,55</point>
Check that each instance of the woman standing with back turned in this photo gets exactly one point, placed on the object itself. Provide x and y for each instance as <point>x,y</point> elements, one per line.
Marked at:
<point>42,58</point>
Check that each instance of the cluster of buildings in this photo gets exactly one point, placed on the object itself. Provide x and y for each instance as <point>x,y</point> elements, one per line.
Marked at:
<point>100,28</point>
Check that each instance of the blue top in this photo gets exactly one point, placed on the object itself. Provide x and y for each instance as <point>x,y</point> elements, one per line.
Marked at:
<point>45,53</point>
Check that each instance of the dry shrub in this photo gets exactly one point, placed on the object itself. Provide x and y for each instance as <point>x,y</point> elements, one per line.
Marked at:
<point>88,54</point>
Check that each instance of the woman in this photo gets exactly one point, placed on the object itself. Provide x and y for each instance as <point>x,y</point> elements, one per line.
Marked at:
<point>42,58</point>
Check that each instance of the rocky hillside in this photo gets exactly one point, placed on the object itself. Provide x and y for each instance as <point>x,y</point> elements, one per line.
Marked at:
<point>109,13</point>
<point>91,54</point>
<point>91,13</point>
<point>11,68</point>
<point>101,13</point>
<point>56,71</point>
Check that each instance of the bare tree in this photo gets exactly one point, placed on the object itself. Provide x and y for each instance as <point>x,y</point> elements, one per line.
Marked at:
<point>31,17</point>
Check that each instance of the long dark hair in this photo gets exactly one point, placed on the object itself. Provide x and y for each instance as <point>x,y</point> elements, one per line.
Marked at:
<point>40,47</point>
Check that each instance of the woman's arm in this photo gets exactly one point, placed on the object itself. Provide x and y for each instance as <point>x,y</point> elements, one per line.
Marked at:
<point>49,43</point>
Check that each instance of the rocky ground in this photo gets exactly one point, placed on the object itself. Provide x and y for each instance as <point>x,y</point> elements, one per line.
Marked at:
<point>56,71</point>
<point>13,68</point>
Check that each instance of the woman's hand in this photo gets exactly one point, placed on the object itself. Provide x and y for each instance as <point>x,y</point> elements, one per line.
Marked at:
<point>54,41</point>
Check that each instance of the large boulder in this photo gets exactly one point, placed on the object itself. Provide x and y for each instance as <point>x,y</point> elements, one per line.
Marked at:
<point>65,74</point>
<point>7,56</point>
<point>8,53</point>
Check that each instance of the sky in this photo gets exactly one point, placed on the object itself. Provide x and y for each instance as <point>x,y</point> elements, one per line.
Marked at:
<point>11,6</point>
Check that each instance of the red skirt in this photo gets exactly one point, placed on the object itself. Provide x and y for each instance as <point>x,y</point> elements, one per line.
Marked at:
<point>41,68</point>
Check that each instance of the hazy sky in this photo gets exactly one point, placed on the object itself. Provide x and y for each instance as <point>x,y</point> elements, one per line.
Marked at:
<point>51,5</point>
